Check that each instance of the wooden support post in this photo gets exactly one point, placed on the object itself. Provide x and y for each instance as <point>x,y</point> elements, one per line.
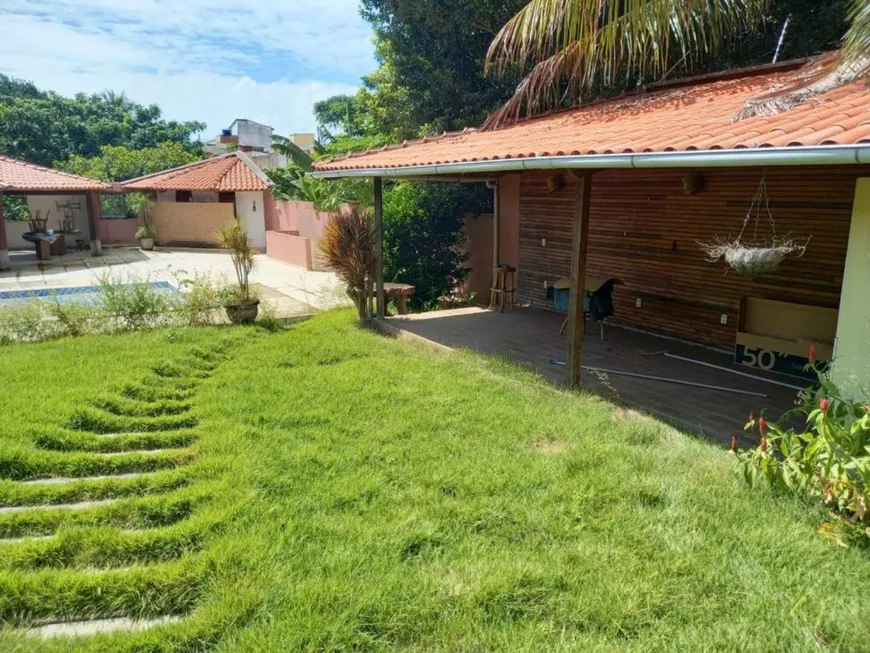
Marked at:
<point>496,225</point>
<point>379,246</point>
<point>95,214</point>
<point>576,319</point>
<point>4,243</point>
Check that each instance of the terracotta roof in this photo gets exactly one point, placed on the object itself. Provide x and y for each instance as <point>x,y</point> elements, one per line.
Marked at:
<point>228,172</point>
<point>688,115</point>
<point>16,175</point>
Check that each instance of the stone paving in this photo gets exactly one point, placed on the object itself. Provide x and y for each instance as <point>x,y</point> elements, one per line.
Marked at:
<point>306,290</point>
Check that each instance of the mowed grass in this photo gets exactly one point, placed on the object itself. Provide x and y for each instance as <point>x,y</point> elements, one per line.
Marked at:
<point>351,492</point>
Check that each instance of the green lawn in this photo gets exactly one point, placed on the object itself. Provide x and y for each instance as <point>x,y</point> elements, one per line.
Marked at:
<point>325,488</point>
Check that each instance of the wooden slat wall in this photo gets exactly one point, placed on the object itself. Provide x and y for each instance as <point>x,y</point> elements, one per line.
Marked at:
<point>644,230</point>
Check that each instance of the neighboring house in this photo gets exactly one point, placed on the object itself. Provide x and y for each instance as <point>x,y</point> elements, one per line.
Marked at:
<point>59,196</point>
<point>193,201</point>
<point>255,140</point>
<point>628,187</point>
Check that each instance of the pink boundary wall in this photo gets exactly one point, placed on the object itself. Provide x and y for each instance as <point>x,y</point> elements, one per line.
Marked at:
<point>290,248</point>
<point>292,231</point>
<point>118,232</point>
<point>295,216</point>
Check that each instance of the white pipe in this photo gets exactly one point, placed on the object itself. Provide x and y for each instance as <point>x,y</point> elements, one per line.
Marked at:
<point>737,372</point>
<point>763,156</point>
<point>666,379</point>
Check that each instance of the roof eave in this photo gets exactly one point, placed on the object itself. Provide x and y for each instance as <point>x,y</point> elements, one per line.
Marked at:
<point>749,157</point>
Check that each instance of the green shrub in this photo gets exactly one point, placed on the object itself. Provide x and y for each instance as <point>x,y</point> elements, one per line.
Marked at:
<point>74,320</point>
<point>25,323</point>
<point>829,461</point>
<point>132,303</point>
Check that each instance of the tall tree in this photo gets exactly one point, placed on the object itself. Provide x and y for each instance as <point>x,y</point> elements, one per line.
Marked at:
<point>436,51</point>
<point>42,126</point>
<point>119,163</point>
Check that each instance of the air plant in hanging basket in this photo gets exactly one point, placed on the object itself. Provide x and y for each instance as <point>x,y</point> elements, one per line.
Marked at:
<point>752,259</point>
<point>757,256</point>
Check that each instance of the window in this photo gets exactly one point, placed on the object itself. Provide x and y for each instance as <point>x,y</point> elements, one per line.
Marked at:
<point>183,196</point>
<point>227,197</point>
<point>114,207</point>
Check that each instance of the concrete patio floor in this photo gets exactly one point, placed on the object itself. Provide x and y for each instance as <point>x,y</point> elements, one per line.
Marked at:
<point>304,291</point>
<point>531,338</point>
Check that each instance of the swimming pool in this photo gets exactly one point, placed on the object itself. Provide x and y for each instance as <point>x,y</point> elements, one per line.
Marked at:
<point>76,294</point>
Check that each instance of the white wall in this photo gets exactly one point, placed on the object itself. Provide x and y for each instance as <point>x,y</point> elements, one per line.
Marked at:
<point>852,355</point>
<point>249,209</point>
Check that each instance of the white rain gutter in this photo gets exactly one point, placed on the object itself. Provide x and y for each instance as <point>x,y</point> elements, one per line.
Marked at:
<point>765,156</point>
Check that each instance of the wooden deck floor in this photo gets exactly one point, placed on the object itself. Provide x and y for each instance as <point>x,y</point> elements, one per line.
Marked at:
<point>531,337</point>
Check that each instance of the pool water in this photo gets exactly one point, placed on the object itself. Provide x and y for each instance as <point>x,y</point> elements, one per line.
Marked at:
<point>78,294</point>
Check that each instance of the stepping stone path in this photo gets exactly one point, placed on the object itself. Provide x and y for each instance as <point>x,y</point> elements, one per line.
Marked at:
<point>200,365</point>
<point>97,626</point>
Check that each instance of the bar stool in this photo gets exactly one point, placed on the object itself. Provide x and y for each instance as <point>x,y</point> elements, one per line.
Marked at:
<point>503,287</point>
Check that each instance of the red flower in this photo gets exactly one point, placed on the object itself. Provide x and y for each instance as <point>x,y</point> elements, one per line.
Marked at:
<point>734,443</point>
<point>762,427</point>
<point>813,353</point>
<point>763,445</point>
<point>823,405</point>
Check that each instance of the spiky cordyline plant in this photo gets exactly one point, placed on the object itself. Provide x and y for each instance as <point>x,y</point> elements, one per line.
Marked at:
<point>233,237</point>
<point>348,245</point>
<point>574,44</point>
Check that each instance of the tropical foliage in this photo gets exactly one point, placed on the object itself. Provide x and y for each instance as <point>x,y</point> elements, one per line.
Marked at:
<point>119,163</point>
<point>233,237</point>
<point>576,46</point>
<point>828,460</point>
<point>44,127</point>
<point>348,246</point>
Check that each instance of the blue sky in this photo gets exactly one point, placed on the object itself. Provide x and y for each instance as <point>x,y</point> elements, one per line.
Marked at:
<point>209,60</point>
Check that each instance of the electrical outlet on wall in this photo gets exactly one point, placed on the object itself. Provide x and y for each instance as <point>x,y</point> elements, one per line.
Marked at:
<point>638,303</point>
<point>543,242</point>
<point>723,319</point>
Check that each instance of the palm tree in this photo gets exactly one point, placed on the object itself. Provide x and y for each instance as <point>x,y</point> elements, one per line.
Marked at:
<point>294,153</point>
<point>575,44</point>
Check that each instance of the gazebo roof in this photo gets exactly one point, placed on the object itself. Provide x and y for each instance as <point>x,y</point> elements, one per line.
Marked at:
<point>21,176</point>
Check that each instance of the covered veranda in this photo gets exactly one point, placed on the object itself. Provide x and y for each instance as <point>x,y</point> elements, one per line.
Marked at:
<point>68,207</point>
<point>654,173</point>
<point>706,393</point>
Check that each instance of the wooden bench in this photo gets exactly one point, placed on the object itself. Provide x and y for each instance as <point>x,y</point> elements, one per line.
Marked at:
<point>401,291</point>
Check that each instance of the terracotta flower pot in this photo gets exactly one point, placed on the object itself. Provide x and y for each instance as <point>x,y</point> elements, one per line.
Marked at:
<point>243,312</point>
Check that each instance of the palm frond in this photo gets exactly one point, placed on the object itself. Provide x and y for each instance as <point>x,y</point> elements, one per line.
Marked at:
<point>573,44</point>
<point>283,145</point>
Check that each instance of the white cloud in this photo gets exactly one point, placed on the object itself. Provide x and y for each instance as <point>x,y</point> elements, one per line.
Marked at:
<point>209,60</point>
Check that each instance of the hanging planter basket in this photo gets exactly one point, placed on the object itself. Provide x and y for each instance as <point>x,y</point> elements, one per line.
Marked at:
<point>749,260</point>
<point>756,257</point>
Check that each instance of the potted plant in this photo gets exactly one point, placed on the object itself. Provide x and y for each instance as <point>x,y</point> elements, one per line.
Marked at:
<point>239,302</point>
<point>146,234</point>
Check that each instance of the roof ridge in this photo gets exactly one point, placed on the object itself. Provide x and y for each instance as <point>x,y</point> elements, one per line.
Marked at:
<point>172,172</point>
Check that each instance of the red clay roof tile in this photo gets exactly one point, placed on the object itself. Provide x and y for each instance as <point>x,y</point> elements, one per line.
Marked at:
<point>21,176</point>
<point>691,116</point>
<point>225,173</point>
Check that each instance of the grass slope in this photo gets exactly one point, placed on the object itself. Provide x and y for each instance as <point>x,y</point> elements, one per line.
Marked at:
<point>349,492</point>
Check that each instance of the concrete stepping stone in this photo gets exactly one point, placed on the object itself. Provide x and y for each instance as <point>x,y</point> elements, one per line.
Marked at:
<point>22,540</point>
<point>61,480</point>
<point>141,452</point>
<point>98,626</point>
<point>84,505</point>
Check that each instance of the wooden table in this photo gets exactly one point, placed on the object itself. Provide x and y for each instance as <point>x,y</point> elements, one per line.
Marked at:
<point>401,291</point>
